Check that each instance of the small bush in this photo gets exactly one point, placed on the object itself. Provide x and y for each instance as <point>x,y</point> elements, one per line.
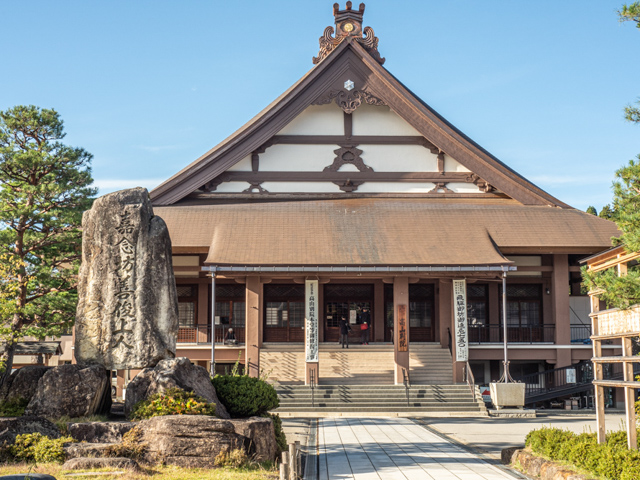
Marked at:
<point>235,459</point>
<point>281,438</point>
<point>245,396</point>
<point>130,446</point>
<point>610,460</point>
<point>13,408</point>
<point>174,401</point>
<point>35,447</point>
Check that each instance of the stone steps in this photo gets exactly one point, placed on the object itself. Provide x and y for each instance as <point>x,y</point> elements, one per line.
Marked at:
<point>430,365</point>
<point>379,399</point>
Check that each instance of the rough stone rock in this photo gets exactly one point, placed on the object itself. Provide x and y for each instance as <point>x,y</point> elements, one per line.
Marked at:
<point>538,467</point>
<point>83,450</point>
<point>12,427</point>
<point>27,476</point>
<point>261,433</point>
<point>71,390</point>
<point>22,383</point>
<point>506,455</point>
<point>87,463</point>
<point>99,432</point>
<point>127,314</point>
<point>176,372</point>
<point>190,441</point>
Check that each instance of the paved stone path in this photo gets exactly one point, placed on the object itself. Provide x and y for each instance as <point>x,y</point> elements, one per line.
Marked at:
<point>395,449</point>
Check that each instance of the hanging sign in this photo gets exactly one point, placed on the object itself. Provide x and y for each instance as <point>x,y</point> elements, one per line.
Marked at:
<point>460,319</point>
<point>311,320</point>
<point>403,341</point>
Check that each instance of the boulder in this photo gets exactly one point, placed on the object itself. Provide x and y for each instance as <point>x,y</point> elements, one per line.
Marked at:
<point>262,435</point>
<point>22,383</point>
<point>72,390</point>
<point>82,450</point>
<point>190,441</point>
<point>88,463</point>
<point>176,372</point>
<point>12,427</point>
<point>99,432</point>
<point>127,315</point>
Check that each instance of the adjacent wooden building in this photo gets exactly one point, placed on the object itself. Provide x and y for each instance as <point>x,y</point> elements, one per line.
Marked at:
<point>350,179</point>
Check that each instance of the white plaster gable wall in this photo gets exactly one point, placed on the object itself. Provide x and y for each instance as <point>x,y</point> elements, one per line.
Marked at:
<point>379,120</point>
<point>301,187</point>
<point>451,165</point>
<point>395,187</point>
<point>297,158</point>
<point>399,158</point>
<point>317,120</point>
<point>243,165</point>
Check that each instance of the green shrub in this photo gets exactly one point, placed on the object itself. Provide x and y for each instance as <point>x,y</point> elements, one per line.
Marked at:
<point>610,460</point>
<point>35,447</point>
<point>245,396</point>
<point>174,401</point>
<point>281,438</point>
<point>13,408</point>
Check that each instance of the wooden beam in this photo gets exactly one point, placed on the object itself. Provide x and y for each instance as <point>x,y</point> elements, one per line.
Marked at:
<point>623,359</point>
<point>343,176</point>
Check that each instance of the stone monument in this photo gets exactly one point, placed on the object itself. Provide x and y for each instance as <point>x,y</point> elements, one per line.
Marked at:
<point>127,316</point>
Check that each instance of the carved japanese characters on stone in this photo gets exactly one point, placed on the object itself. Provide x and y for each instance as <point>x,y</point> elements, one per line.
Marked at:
<point>127,314</point>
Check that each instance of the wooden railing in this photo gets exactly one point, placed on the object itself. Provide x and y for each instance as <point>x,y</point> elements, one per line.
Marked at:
<point>201,334</point>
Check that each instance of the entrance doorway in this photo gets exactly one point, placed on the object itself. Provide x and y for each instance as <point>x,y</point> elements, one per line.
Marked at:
<point>348,300</point>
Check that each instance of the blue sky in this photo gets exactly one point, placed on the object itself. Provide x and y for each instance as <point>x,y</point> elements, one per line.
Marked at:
<point>149,86</point>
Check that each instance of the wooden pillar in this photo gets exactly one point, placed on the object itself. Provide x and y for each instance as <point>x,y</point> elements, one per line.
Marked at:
<point>203,319</point>
<point>561,310</point>
<point>378,312</point>
<point>400,298</point>
<point>253,337</point>
<point>598,373</point>
<point>629,395</point>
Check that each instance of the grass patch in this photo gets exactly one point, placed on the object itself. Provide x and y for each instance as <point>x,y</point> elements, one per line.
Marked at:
<point>257,472</point>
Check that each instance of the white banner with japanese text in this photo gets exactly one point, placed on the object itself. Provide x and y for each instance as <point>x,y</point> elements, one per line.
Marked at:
<point>460,318</point>
<point>311,320</point>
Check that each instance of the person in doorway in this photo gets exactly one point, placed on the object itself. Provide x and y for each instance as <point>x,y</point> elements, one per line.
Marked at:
<point>344,331</point>
<point>365,333</point>
<point>230,338</point>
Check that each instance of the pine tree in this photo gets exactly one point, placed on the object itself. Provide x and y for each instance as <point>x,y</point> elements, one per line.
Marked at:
<point>44,188</point>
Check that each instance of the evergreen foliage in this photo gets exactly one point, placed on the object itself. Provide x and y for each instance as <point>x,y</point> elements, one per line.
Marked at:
<point>592,210</point>
<point>245,396</point>
<point>44,188</point>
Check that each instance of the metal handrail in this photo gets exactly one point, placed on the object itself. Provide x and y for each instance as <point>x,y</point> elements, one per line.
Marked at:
<point>407,385</point>
<point>470,379</point>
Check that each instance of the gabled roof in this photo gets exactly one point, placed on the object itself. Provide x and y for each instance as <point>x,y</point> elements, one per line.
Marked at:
<point>350,59</point>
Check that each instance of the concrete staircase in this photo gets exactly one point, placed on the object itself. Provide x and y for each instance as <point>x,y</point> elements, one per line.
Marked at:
<point>380,400</point>
<point>430,364</point>
<point>283,363</point>
<point>356,365</point>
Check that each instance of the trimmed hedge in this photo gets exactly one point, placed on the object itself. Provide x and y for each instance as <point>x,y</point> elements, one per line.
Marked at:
<point>245,396</point>
<point>611,460</point>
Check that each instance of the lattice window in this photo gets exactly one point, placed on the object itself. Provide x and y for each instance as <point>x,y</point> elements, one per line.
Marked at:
<point>230,291</point>
<point>296,314</point>
<point>186,314</point>
<point>185,290</point>
<point>477,304</point>
<point>283,291</point>
<point>351,291</point>
<point>277,314</point>
<point>528,291</point>
<point>421,291</point>
<point>421,297</point>
<point>524,305</point>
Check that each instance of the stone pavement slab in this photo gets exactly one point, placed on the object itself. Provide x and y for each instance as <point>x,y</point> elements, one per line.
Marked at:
<point>395,449</point>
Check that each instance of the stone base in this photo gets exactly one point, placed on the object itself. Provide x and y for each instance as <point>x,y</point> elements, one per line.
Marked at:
<point>507,394</point>
<point>512,413</point>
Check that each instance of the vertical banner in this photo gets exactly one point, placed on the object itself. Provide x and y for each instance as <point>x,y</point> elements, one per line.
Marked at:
<point>403,345</point>
<point>311,320</point>
<point>460,316</point>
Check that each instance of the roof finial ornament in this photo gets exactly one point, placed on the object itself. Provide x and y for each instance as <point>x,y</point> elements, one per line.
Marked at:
<point>348,24</point>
